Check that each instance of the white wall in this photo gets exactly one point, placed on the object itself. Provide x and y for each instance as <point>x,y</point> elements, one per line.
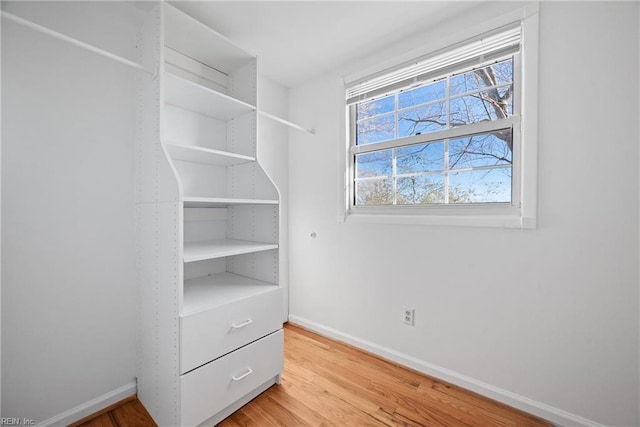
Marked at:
<point>68,276</point>
<point>0,218</point>
<point>273,155</point>
<point>550,314</point>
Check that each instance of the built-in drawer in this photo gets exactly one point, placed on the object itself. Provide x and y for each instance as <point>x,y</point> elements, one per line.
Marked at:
<point>213,333</point>
<point>216,385</point>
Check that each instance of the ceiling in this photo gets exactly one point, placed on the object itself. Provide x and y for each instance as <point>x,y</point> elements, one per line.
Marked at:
<point>297,41</point>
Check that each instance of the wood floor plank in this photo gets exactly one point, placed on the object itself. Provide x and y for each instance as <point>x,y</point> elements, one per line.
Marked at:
<point>400,380</point>
<point>239,418</point>
<point>357,359</point>
<point>495,416</point>
<point>328,383</point>
<point>386,392</point>
<point>329,405</point>
<point>132,414</point>
<point>500,411</point>
<point>103,420</point>
<point>296,405</point>
<point>106,410</point>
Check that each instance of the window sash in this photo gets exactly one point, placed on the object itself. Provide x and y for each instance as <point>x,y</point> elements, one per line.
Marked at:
<point>513,122</point>
<point>488,47</point>
<point>445,173</point>
<point>457,132</point>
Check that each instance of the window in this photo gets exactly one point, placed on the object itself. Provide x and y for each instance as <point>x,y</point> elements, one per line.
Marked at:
<point>442,134</point>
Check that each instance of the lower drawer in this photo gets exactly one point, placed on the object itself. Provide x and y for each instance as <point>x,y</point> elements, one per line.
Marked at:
<point>216,385</point>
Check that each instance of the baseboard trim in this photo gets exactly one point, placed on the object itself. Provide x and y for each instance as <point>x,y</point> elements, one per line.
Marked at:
<point>549,413</point>
<point>91,407</point>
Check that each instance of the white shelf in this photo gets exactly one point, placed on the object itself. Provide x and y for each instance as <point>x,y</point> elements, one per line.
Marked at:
<point>206,155</point>
<point>215,202</point>
<point>204,293</point>
<point>191,96</point>
<point>198,251</point>
<point>194,39</point>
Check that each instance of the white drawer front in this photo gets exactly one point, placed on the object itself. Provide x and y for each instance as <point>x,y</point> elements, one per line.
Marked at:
<point>211,388</point>
<point>213,333</point>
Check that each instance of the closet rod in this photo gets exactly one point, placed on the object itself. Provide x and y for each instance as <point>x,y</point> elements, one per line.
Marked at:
<point>73,41</point>
<point>288,123</point>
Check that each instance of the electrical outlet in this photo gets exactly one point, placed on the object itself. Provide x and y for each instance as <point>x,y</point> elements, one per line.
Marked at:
<point>408,315</point>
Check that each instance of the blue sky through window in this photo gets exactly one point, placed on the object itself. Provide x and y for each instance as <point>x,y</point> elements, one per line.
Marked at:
<point>471,169</point>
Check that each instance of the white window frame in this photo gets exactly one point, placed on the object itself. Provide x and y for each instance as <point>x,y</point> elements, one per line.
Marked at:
<point>521,213</point>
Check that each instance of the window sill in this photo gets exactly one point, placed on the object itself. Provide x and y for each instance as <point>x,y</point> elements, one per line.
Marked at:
<point>489,221</point>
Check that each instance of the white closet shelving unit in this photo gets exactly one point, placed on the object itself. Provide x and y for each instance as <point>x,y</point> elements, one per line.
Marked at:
<point>209,305</point>
<point>210,302</point>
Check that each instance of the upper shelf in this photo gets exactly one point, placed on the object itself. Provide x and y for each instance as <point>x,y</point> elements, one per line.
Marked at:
<point>194,97</point>
<point>190,153</point>
<point>204,293</point>
<point>198,251</point>
<point>198,41</point>
<point>215,202</point>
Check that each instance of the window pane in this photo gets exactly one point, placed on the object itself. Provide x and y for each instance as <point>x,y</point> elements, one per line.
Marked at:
<point>377,163</point>
<point>374,192</point>
<point>420,190</point>
<point>375,107</point>
<point>420,158</point>
<point>376,130</point>
<point>482,106</point>
<point>422,94</point>
<point>484,186</point>
<point>422,120</point>
<point>486,149</point>
<point>492,75</point>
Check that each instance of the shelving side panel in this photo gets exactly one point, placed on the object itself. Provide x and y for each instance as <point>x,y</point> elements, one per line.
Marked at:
<point>201,180</point>
<point>160,277</point>
<point>183,127</point>
<point>258,223</point>
<point>203,224</point>
<point>249,181</point>
<point>260,266</point>
<point>243,83</point>
<point>159,232</point>
<point>155,178</point>
<point>270,151</point>
<point>241,135</point>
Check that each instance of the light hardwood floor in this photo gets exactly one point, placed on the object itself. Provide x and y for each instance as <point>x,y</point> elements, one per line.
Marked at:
<point>328,383</point>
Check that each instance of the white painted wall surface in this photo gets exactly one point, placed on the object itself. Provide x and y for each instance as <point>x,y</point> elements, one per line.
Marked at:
<point>68,277</point>
<point>0,217</point>
<point>273,155</point>
<point>550,314</point>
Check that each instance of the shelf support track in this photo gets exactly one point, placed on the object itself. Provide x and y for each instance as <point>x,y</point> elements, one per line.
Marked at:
<point>74,42</point>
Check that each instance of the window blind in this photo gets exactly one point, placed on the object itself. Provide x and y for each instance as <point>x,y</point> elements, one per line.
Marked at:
<point>490,46</point>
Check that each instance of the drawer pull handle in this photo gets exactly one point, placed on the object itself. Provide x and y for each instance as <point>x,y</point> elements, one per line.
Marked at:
<point>241,325</point>
<point>246,374</point>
